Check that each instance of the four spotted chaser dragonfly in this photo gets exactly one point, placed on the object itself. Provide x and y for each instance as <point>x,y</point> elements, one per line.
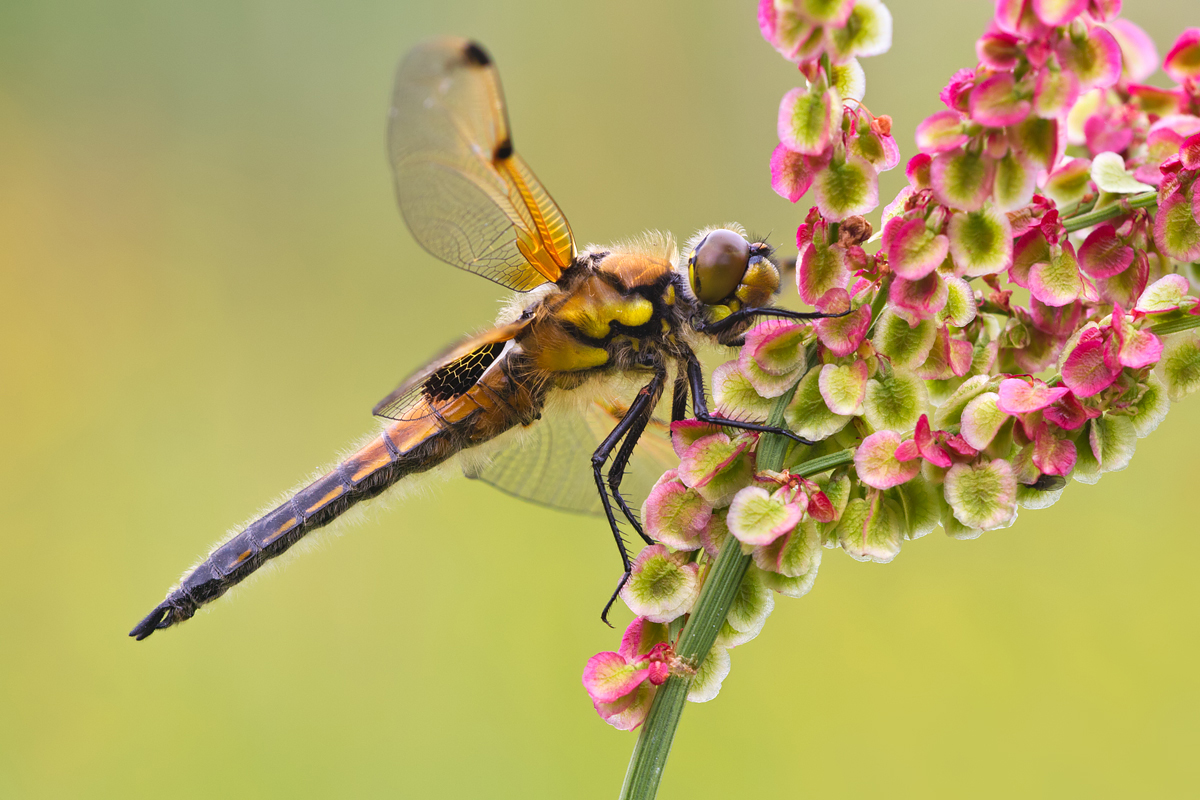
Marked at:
<point>582,320</point>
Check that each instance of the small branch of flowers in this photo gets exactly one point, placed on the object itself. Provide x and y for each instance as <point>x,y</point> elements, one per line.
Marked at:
<point>1028,315</point>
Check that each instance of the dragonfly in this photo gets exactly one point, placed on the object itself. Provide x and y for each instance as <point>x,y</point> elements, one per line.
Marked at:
<point>542,386</point>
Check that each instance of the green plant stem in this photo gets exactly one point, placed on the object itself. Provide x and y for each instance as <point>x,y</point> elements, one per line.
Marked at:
<point>879,302</point>
<point>649,757</point>
<point>1082,207</point>
<point>1091,218</point>
<point>1183,323</point>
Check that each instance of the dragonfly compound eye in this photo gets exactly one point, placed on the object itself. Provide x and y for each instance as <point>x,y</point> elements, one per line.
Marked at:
<point>717,265</point>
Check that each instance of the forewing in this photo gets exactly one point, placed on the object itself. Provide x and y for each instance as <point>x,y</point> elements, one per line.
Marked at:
<point>465,194</point>
<point>445,377</point>
<point>550,463</point>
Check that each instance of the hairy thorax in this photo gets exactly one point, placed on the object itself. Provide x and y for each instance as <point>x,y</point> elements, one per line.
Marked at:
<point>616,310</point>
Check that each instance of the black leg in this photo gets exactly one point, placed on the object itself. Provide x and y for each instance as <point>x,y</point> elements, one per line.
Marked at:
<point>700,407</point>
<point>722,325</point>
<point>638,410</point>
<point>617,472</point>
<point>679,395</point>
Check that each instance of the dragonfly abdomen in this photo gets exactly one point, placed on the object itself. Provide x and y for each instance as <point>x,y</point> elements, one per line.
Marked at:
<point>405,447</point>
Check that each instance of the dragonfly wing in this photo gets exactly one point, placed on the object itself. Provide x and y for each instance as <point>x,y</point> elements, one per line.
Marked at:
<point>465,194</point>
<point>448,375</point>
<point>550,462</point>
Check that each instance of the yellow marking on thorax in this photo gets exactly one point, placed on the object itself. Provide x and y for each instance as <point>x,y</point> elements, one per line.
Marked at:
<point>595,305</point>
<point>570,355</point>
<point>634,311</point>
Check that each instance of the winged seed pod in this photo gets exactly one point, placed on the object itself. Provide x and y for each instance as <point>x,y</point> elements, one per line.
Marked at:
<point>1027,316</point>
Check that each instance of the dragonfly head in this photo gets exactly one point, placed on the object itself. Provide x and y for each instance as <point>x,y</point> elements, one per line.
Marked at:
<point>726,271</point>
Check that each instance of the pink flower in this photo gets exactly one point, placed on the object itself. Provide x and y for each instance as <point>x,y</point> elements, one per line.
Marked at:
<point>938,448</point>
<point>913,250</point>
<point>921,298</point>
<point>1135,348</point>
<point>877,463</point>
<point>842,335</point>
<point>941,132</point>
<point>792,173</point>
<point>1052,453</point>
<point>822,267</point>
<point>1056,13</point>
<point>1019,396</point>
<point>1068,413</point>
<point>1092,366</point>
<point>1103,254</point>
<point>956,92</point>
<point>976,288</point>
<point>1056,92</point>
<point>1183,59</point>
<point>1168,293</point>
<point>621,684</point>
<point>997,50</point>
<point>758,517</point>
<point>1095,58</point>
<point>807,119</point>
<point>1139,56</point>
<point>996,103</point>
<point>675,514</point>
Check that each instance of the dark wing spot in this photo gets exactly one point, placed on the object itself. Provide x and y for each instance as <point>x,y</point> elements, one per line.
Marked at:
<point>504,151</point>
<point>477,55</point>
<point>458,376</point>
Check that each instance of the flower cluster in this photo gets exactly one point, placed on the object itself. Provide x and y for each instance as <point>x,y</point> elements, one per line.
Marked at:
<point>828,141</point>
<point>1029,315</point>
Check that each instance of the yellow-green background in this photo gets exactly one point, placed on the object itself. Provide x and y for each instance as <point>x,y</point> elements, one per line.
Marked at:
<point>205,285</point>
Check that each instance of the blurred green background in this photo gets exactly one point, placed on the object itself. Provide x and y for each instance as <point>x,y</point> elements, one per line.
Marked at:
<point>204,287</point>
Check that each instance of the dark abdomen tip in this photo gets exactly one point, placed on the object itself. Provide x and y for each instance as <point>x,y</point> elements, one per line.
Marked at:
<point>160,617</point>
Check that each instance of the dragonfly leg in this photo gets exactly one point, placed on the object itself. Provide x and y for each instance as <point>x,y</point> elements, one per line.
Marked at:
<point>726,323</point>
<point>701,412</point>
<point>632,425</point>
<point>652,391</point>
<point>679,395</point>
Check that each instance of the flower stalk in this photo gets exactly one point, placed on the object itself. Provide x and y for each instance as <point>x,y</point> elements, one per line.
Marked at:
<point>649,758</point>
<point>1146,200</point>
<point>1185,322</point>
<point>653,746</point>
